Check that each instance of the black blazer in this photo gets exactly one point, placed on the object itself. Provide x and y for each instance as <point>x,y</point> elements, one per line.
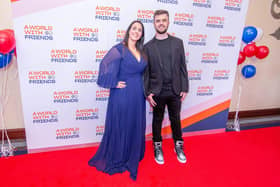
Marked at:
<point>153,78</point>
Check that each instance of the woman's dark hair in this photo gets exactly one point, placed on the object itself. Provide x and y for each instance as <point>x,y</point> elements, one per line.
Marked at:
<point>140,42</point>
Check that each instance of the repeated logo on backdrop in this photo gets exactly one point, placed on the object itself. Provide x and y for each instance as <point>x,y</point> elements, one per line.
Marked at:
<point>183,19</point>
<point>234,5</point>
<point>215,22</point>
<point>66,96</point>
<point>221,74</point>
<point>99,130</point>
<point>197,39</point>
<point>187,56</point>
<point>102,94</point>
<point>45,117</point>
<point>41,77</point>
<point>99,55</point>
<point>210,58</point>
<point>202,3</point>
<point>38,32</point>
<point>168,1</point>
<point>85,76</point>
<point>68,133</point>
<point>64,55</point>
<point>205,90</point>
<point>194,74</point>
<point>227,41</point>
<point>60,60</point>
<point>107,13</point>
<point>85,34</point>
<point>120,34</point>
<point>145,16</point>
<point>86,114</point>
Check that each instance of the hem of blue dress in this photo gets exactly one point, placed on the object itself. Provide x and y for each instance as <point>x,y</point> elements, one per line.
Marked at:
<point>116,170</point>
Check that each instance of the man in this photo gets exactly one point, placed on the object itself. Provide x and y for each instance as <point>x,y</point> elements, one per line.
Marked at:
<point>166,83</point>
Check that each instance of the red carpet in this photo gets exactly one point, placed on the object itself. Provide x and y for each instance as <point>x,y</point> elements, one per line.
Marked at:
<point>246,158</point>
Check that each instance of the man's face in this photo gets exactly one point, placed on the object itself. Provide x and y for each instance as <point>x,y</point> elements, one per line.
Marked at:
<point>161,23</point>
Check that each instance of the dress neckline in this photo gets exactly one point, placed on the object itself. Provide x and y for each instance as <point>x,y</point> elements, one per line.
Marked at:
<point>138,61</point>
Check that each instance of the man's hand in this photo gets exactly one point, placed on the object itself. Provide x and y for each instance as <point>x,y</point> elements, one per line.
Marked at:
<point>183,96</point>
<point>151,100</point>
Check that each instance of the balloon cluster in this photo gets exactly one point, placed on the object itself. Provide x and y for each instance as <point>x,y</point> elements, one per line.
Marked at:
<point>250,36</point>
<point>7,47</point>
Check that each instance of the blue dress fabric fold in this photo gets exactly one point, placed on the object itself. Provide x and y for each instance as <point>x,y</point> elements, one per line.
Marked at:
<point>123,143</point>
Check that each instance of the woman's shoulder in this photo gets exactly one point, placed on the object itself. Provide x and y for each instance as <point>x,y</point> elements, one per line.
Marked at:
<point>119,47</point>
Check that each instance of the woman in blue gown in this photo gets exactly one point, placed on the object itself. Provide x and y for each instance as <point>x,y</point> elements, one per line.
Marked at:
<point>123,143</point>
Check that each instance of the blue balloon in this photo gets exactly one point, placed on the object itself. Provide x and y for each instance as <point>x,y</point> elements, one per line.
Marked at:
<point>249,34</point>
<point>248,71</point>
<point>5,59</point>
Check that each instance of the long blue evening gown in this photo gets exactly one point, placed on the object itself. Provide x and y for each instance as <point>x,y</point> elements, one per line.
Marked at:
<point>123,143</point>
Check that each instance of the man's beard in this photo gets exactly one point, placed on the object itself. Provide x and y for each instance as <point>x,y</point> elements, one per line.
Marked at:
<point>161,32</point>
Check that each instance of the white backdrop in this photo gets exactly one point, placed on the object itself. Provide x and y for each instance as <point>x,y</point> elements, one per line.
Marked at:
<point>60,45</point>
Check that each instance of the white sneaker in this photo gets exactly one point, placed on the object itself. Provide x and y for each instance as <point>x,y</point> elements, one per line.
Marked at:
<point>179,150</point>
<point>158,153</point>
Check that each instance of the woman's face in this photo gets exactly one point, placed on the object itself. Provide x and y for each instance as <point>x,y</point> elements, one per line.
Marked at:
<point>135,31</point>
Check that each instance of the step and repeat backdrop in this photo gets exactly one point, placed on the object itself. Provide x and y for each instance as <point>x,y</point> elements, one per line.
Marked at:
<point>60,45</point>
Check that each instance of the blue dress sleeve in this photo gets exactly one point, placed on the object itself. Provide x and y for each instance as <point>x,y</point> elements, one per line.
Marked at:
<point>109,69</point>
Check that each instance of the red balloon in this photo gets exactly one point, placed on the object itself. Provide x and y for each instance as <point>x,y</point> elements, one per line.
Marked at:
<point>250,50</point>
<point>262,52</point>
<point>241,58</point>
<point>7,41</point>
<point>10,31</point>
<point>15,52</point>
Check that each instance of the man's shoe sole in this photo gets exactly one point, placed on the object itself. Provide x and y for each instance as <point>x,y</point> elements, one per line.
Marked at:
<point>181,161</point>
<point>159,162</point>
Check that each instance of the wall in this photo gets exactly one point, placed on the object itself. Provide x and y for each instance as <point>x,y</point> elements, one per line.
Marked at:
<point>259,92</point>
<point>12,111</point>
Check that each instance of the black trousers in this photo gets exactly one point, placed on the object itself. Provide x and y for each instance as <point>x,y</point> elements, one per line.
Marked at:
<point>173,103</point>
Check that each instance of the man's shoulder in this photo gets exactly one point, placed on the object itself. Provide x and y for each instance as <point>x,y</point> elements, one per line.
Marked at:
<point>175,39</point>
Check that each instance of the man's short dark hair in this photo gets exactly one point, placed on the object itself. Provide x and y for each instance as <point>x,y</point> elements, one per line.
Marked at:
<point>160,12</point>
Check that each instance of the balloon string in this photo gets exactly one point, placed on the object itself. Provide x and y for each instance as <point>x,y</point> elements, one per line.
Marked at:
<point>2,107</point>
<point>236,118</point>
<point>4,101</point>
<point>5,96</point>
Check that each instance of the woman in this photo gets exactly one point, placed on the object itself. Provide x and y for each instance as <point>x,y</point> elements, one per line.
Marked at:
<point>123,143</point>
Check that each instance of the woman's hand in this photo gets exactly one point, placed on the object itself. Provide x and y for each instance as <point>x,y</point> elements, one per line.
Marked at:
<point>121,84</point>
